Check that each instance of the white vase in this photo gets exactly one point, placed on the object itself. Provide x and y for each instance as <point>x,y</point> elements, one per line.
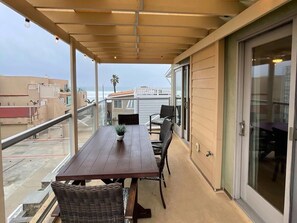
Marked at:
<point>120,138</point>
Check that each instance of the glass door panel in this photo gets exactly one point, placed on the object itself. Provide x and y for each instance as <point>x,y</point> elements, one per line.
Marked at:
<point>269,108</point>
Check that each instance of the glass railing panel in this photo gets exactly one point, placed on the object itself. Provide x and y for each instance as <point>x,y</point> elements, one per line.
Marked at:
<point>150,106</point>
<point>29,166</point>
<point>143,106</point>
<point>85,123</point>
<point>102,113</point>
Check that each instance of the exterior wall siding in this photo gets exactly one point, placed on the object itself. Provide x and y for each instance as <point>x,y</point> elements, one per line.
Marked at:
<point>207,111</point>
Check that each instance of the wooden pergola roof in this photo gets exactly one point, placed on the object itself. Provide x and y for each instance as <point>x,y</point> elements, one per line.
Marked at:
<point>131,31</point>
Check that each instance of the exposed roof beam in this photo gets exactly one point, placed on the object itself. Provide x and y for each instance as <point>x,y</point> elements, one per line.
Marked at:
<point>204,22</point>
<point>105,39</point>
<point>90,18</point>
<point>172,31</point>
<point>98,30</point>
<point>132,45</point>
<point>97,50</point>
<point>209,7</point>
<point>133,39</point>
<point>76,30</point>
<point>166,39</point>
<point>138,60</point>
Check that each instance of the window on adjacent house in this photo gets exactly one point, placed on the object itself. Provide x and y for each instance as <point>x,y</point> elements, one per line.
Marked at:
<point>117,104</point>
<point>130,104</point>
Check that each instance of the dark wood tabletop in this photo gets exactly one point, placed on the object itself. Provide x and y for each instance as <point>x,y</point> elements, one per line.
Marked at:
<point>103,157</point>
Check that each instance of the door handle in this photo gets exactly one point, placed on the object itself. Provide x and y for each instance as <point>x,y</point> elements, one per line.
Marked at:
<point>242,128</point>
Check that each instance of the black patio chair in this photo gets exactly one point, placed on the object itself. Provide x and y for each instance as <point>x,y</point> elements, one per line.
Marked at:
<point>157,144</point>
<point>95,203</point>
<point>161,163</point>
<point>128,119</point>
<point>166,112</point>
<point>280,152</point>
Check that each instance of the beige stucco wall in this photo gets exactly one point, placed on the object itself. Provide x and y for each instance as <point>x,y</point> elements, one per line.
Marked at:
<point>231,79</point>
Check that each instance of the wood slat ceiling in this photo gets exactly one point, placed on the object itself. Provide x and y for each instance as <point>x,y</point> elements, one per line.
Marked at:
<point>138,31</point>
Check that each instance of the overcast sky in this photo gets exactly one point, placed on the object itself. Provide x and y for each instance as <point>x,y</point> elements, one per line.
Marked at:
<point>33,52</point>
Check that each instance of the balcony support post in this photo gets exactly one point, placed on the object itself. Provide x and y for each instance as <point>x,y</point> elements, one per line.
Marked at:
<point>2,205</point>
<point>97,98</point>
<point>73,120</point>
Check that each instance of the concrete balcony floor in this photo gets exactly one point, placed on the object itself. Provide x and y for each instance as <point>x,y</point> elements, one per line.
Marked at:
<point>188,196</point>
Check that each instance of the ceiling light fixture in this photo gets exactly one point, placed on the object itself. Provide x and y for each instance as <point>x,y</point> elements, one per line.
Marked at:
<point>115,57</point>
<point>277,60</point>
<point>27,23</point>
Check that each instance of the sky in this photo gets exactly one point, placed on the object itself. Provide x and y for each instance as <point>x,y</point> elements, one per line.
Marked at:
<point>33,52</point>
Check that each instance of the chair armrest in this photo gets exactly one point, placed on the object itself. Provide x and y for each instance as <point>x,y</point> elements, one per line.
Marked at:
<point>131,199</point>
<point>155,141</point>
<point>154,114</point>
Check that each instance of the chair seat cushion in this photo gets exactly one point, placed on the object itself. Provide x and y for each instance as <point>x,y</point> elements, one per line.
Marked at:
<point>158,121</point>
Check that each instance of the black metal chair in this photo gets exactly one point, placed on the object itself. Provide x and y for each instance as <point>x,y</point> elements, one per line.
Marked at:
<point>161,163</point>
<point>157,144</point>
<point>128,119</point>
<point>280,151</point>
<point>95,203</point>
<point>166,112</point>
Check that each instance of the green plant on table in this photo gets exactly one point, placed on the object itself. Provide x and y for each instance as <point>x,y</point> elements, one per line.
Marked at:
<point>120,129</point>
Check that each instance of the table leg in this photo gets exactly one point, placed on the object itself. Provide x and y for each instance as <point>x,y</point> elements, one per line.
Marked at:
<point>142,212</point>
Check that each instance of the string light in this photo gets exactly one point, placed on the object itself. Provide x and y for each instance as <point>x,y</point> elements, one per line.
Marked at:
<point>27,23</point>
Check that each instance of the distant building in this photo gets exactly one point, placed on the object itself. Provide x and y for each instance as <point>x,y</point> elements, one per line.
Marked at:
<point>28,101</point>
<point>143,100</point>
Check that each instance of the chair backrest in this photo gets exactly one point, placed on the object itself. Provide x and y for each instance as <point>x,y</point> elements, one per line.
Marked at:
<point>165,146</point>
<point>165,127</point>
<point>167,111</point>
<point>90,203</point>
<point>128,119</point>
<point>281,141</point>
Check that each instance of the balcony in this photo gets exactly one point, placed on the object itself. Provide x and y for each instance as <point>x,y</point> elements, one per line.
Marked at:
<point>209,47</point>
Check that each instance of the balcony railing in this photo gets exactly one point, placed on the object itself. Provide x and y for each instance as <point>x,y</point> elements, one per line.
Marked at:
<point>31,159</point>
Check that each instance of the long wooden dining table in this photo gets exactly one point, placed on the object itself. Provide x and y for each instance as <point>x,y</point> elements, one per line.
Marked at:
<point>103,157</point>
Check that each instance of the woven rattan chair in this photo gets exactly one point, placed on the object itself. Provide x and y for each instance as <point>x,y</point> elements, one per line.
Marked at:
<point>161,163</point>
<point>157,144</point>
<point>166,112</point>
<point>128,119</point>
<point>100,204</point>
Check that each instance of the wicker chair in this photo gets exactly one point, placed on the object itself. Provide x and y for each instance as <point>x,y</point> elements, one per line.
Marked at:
<point>157,144</point>
<point>161,163</point>
<point>166,112</point>
<point>90,204</point>
<point>128,119</point>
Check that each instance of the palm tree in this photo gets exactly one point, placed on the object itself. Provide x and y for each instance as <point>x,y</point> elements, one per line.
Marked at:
<point>114,80</point>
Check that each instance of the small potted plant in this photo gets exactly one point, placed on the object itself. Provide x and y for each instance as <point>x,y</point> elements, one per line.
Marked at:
<point>120,129</point>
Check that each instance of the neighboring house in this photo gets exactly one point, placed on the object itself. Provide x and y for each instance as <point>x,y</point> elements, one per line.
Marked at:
<point>28,101</point>
<point>143,100</point>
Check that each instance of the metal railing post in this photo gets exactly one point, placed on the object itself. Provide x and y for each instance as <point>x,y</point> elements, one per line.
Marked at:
<point>2,204</point>
<point>96,122</point>
<point>74,130</point>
